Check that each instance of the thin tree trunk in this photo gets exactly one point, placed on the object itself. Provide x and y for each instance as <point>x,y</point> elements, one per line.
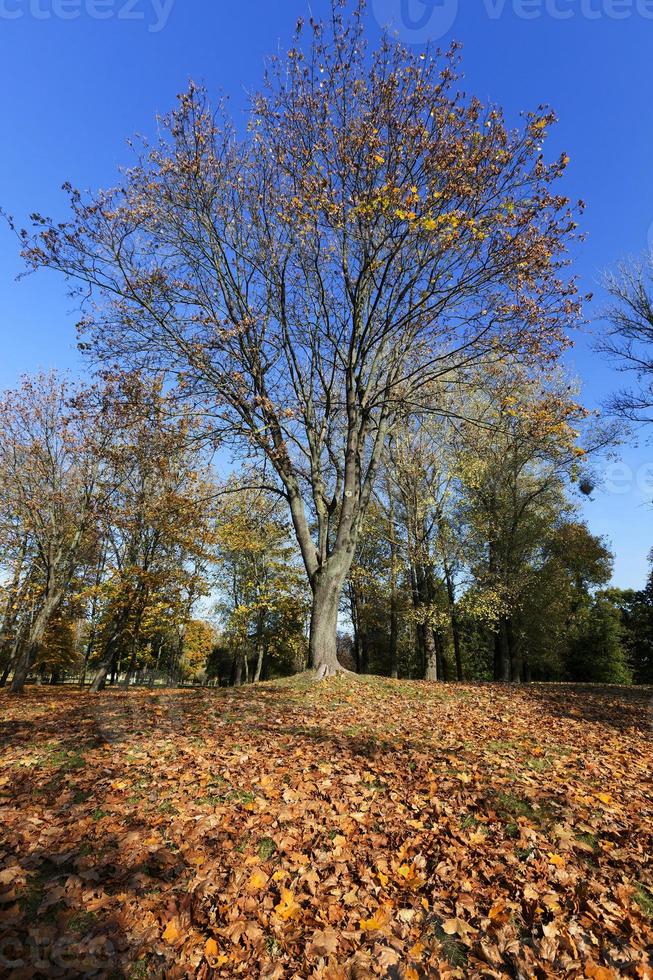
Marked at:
<point>453,618</point>
<point>394,604</point>
<point>443,663</point>
<point>260,648</point>
<point>259,662</point>
<point>501,653</point>
<point>430,655</point>
<point>515,654</point>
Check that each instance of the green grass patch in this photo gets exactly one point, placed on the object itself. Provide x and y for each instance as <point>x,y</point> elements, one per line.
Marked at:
<point>266,848</point>
<point>644,898</point>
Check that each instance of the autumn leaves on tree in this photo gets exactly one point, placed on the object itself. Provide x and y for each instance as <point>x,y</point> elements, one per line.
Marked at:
<point>373,240</point>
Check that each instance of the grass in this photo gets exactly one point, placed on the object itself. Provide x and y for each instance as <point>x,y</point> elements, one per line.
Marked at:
<point>644,898</point>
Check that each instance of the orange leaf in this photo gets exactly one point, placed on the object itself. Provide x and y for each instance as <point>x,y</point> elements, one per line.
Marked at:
<point>598,972</point>
<point>171,933</point>
<point>287,908</point>
<point>258,880</point>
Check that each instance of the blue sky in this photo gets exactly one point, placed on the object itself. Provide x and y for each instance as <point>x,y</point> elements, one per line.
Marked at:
<point>79,76</point>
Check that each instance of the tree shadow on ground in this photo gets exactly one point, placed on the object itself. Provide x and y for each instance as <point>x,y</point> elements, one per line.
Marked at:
<point>626,709</point>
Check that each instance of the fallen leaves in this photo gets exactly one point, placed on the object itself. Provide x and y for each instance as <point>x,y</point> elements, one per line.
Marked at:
<point>171,933</point>
<point>258,880</point>
<point>358,828</point>
<point>288,908</point>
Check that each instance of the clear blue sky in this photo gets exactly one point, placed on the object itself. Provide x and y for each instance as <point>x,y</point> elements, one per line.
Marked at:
<point>79,76</point>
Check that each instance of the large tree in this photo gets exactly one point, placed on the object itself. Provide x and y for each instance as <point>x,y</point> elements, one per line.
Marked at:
<point>374,232</point>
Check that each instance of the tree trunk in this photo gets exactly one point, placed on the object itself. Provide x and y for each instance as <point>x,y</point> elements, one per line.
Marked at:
<point>13,654</point>
<point>394,636</point>
<point>501,653</point>
<point>322,647</point>
<point>259,662</point>
<point>33,641</point>
<point>260,647</point>
<point>430,655</point>
<point>515,654</point>
<point>453,618</point>
<point>99,681</point>
<point>443,662</point>
<point>394,603</point>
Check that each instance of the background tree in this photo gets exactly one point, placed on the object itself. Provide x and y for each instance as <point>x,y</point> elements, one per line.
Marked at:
<point>263,606</point>
<point>597,652</point>
<point>516,463</point>
<point>52,483</point>
<point>629,339</point>
<point>159,528</point>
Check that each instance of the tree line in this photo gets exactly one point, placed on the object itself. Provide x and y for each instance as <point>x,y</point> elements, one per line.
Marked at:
<point>126,558</point>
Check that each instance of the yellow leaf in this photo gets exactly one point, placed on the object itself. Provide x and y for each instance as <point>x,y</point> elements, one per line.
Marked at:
<point>450,927</point>
<point>415,952</point>
<point>557,860</point>
<point>211,948</point>
<point>497,910</point>
<point>258,880</point>
<point>171,933</point>
<point>287,908</point>
<point>604,798</point>
<point>377,921</point>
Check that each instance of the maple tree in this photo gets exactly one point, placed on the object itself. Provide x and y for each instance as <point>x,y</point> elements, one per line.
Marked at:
<point>373,233</point>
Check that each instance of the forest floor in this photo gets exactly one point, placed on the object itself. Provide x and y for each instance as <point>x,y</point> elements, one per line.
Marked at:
<point>351,829</point>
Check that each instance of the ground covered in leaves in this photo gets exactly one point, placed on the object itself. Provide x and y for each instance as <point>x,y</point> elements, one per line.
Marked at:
<point>344,830</point>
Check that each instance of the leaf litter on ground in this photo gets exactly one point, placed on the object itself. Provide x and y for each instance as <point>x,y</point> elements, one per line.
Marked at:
<point>354,828</point>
